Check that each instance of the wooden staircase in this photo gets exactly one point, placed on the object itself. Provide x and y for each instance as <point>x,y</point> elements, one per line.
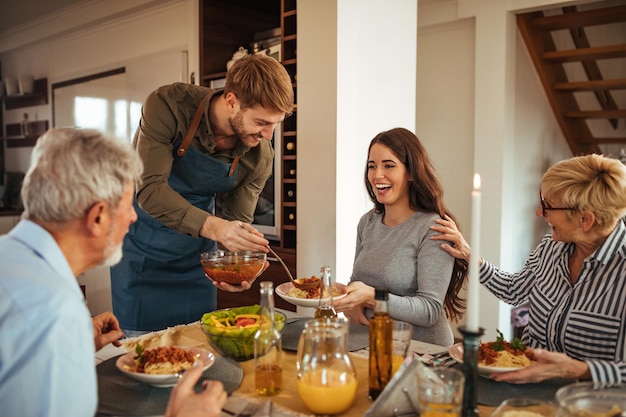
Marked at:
<point>585,107</point>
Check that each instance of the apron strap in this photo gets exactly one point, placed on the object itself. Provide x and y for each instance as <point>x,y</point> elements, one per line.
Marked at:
<point>193,127</point>
<point>233,166</point>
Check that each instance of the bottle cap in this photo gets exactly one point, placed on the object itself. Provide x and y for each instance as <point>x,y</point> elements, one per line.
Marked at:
<point>381,294</point>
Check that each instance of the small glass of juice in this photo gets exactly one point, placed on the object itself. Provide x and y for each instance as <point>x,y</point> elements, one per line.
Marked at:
<point>441,396</point>
<point>402,334</point>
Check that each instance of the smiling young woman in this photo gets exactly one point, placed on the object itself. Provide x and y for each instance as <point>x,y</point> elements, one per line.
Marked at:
<point>393,246</point>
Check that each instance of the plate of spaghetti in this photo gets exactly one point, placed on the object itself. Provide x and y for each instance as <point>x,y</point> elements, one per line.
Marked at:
<point>295,296</point>
<point>497,356</point>
<point>163,365</point>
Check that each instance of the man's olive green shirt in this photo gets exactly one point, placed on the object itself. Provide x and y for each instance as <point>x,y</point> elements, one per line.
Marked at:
<point>166,116</point>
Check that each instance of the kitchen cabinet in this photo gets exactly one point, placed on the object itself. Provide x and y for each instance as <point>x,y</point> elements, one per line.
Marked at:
<point>14,133</point>
<point>226,25</point>
<point>289,129</point>
<point>38,97</point>
<point>24,134</point>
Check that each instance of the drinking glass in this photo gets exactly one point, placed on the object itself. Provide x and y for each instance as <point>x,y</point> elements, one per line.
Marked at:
<point>402,333</point>
<point>440,392</point>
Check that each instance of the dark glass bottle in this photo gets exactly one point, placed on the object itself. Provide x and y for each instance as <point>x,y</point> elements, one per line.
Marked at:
<point>326,309</point>
<point>268,370</point>
<point>381,353</point>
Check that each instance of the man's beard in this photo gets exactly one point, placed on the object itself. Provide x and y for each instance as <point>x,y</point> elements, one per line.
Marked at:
<point>236,123</point>
<point>112,253</point>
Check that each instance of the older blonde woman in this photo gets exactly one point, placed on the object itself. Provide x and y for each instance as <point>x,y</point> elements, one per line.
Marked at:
<point>575,280</point>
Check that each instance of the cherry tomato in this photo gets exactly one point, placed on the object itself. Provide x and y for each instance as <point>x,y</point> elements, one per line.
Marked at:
<point>244,321</point>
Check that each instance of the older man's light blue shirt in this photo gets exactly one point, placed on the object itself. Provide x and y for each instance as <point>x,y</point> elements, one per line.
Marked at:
<point>46,335</point>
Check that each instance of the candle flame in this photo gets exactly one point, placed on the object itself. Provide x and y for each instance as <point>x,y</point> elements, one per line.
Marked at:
<point>476,182</point>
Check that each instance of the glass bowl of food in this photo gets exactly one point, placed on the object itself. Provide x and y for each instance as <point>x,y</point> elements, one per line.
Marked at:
<point>233,267</point>
<point>230,331</point>
<point>587,399</point>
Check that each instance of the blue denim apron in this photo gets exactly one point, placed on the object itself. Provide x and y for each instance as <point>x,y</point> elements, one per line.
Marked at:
<point>159,282</point>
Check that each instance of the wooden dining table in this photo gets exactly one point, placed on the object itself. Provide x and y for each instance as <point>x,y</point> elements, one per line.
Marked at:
<point>287,403</point>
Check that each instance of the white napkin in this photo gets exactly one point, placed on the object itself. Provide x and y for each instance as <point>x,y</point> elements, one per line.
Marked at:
<point>237,402</point>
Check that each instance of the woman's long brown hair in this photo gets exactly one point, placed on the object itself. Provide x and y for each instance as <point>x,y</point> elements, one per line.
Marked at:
<point>425,194</point>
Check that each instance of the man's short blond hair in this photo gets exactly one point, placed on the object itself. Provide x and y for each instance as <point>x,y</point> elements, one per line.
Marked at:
<point>261,80</point>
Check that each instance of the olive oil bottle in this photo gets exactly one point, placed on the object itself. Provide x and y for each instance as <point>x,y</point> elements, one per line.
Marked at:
<point>268,368</point>
<point>325,309</point>
<point>381,352</point>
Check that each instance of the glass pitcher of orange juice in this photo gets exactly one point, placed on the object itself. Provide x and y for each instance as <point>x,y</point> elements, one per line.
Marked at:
<point>326,376</point>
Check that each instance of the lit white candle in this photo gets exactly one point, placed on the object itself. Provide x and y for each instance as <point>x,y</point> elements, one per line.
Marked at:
<point>473,304</point>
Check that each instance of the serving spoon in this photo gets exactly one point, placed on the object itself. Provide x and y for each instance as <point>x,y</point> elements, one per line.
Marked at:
<point>308,285</point>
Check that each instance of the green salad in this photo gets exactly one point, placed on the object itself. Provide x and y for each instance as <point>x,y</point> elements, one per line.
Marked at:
<point>231,331</point>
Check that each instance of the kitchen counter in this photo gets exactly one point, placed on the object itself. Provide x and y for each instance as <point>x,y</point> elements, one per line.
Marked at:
<point>10,212</point>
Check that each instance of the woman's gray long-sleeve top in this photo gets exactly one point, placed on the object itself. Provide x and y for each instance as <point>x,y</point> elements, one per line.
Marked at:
<point>412,267</point>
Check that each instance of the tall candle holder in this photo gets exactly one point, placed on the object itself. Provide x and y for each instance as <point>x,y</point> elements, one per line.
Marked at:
<point>471,341</point>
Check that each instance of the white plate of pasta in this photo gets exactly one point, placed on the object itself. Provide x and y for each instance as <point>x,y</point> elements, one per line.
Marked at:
<point>162,366</point>
<point>299,298</point>
<point>504,361</point>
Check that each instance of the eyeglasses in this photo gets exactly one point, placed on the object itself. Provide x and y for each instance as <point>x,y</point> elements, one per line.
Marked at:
<point>545,207</point>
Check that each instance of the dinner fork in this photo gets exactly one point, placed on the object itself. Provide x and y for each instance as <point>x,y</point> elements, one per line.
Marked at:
<point>249,409</point>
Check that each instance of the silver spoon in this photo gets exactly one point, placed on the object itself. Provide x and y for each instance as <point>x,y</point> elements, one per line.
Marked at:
<point>304,286</point>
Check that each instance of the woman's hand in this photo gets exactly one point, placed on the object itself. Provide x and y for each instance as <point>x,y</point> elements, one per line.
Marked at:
<point>548,365</point>
<point>358,297</point>
<point>450,233</point>
<point>106,330</point>
<point>356,315</point>
<point>245,285</point>
<point>185,402</point>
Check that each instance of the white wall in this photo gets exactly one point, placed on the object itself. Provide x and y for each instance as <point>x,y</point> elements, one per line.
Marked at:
<point>445,108</point>
<point>317,135</point>
<point>482,108</point>
<point>356,78</point>
<point>445,115</point>
<point>538,144</point>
